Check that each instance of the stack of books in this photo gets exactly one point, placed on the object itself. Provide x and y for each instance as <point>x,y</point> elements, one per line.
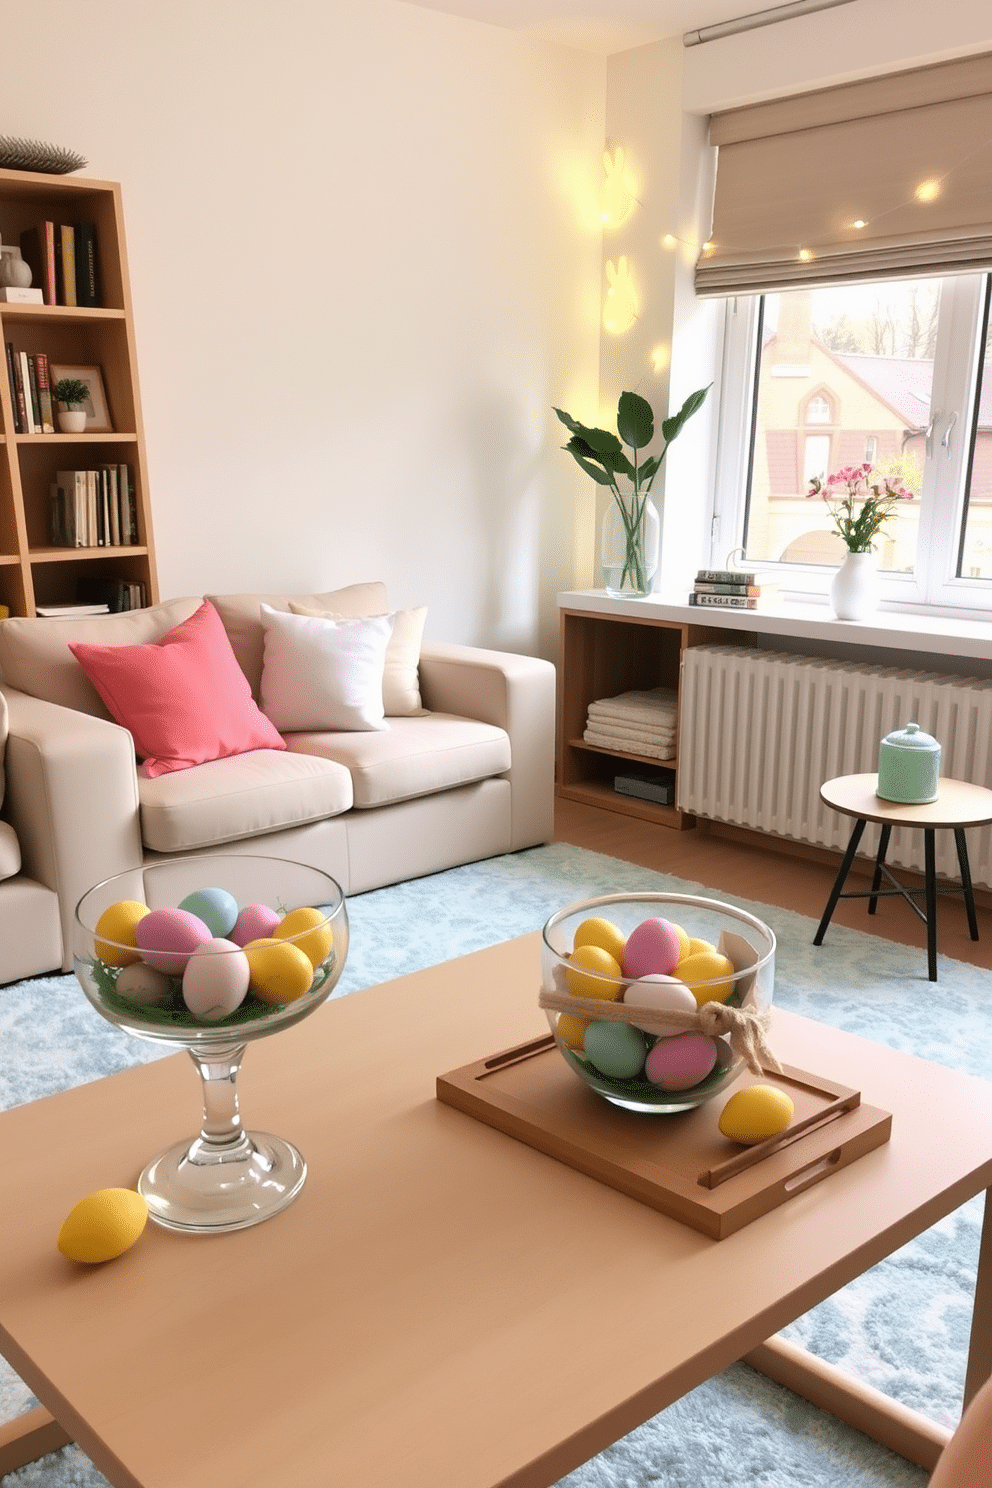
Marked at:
<point>30,391</point>
<point>94,508</point>
<point>729,589</point>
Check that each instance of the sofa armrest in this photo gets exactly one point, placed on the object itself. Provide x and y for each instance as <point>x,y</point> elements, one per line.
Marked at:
<point>515,693</point>
<point>72,799</point>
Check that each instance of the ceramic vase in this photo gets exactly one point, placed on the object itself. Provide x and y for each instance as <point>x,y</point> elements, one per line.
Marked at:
<point>72,420</point>
<point>854,592</point>
<point>630,544</point>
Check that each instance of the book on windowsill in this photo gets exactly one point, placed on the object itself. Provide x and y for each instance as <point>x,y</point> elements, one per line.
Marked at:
<point>725,576</point>
<point>706,586</point>
<point>758,601</point>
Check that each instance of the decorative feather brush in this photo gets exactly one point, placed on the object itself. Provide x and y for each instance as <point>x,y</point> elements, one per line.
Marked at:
<point>35,155</point>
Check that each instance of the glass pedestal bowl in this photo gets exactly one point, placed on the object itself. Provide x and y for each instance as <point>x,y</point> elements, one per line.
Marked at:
<point>145,981</point>
<point>745,940</point>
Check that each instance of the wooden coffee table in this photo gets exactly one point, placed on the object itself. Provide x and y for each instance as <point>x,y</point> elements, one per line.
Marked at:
<point>422,1313</point>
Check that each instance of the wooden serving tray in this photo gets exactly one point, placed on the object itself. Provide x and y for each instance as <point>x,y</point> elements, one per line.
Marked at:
<point>679,1164</point>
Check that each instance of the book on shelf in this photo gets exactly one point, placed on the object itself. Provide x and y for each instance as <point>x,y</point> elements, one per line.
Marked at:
<point>707,586</point>
<point>21,294</point>
<point>52,612</point>
<point>65,264</point>
<point>87,285</point>
<point>12,383</point>
<point>734,601</point>
<point>38,251</point>
<point>93,508</point>
<point>725,576</point>
<point>43,378</point>
<point>30,426</point>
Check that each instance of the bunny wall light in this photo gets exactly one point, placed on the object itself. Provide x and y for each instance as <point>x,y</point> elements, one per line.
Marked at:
<point>617,200</point>
<point>620,307</point>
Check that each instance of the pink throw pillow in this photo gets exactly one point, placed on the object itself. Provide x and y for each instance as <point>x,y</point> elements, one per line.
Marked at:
<point>183,698</point>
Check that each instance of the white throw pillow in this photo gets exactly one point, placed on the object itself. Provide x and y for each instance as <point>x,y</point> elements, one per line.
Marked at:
<point>322,674</point>
<point>400,678</point>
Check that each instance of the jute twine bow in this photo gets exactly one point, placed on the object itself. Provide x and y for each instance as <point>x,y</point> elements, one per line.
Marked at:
<point>745,1027</point>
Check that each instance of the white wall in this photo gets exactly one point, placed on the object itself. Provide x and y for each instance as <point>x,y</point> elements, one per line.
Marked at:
<point>363,268</point>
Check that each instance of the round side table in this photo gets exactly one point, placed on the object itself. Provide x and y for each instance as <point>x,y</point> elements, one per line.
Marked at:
<point>959,804</point>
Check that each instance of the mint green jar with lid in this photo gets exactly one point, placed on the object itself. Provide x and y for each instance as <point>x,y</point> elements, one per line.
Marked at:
<point>908,766</point>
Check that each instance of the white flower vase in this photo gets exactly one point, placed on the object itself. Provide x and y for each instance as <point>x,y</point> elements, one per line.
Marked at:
<point>630,548</point>
<point>854,592</point>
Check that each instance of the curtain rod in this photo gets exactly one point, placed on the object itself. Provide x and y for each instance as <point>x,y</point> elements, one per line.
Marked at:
<point>758,18</point>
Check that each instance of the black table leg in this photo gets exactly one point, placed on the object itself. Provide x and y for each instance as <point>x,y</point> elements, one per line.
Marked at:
<point>883,847</point>
<point>929,856</point>
<point>969,893</point>
<point>842,873</point>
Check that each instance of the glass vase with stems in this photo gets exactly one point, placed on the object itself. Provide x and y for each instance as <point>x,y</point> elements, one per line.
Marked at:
<point>631,530</point>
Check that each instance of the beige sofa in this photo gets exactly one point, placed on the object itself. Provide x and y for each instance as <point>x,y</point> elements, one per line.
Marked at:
<point>467,775</point>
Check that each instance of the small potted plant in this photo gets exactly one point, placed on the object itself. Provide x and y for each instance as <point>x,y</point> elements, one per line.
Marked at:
<point>71,394</point>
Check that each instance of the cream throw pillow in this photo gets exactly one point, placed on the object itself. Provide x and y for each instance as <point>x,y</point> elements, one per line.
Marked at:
<point>323,675</point>
<point>400,678</point>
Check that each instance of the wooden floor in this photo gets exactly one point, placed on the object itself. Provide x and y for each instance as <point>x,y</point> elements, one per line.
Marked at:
<point>747,867</point>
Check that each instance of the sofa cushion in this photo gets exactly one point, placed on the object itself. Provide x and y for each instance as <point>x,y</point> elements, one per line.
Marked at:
<point>417,756</point>
<point>183,698</point>
<point>400,677</point>
<point>243,622</point>
<point>35,655</point>
<point>323,674</point>
<point>241,796</point>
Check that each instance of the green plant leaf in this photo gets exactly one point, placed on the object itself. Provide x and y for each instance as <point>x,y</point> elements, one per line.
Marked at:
<point>649,469</point>
<point>635,420</point>
<point>602,441</point>
<point>600,476</point>
<point>672,427</point>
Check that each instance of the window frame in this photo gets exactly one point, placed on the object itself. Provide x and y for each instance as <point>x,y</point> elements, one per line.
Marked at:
<point>935,585</point>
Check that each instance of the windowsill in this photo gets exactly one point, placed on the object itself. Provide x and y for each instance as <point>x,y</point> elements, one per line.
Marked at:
<point>887,629</point>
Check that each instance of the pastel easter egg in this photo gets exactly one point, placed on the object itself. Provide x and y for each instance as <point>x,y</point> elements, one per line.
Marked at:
<point>601,932</point>
<point>652,948</point>
<point>616,1049</point>
<point>118,923</point>
<point>571,1029</point>
<point>753,1114</point>
<point>144,986</point>
<point>215,907</point>
<point>709,975</point>
<point>308,929</point>
<point>681,1062</point>
<point>694,944</point>
<point>664,994</point>
<point>280,972</point>
<point>167,938</point>
<point>103,1225</point>
<point>593,972</point>
<point>215,981</point>
<point>255,922</point>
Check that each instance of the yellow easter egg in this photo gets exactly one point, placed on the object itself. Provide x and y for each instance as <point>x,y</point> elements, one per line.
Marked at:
<point>571,1029</point>
<point>694,944</point>
<point>103,1225</point>
<point>756,1113</point>
<point>602,933</point>
<point>587,967</point>
<point>684,940</point>
<point>308,929</point>
<point>118,923</point>
<point>708,975</point>
<point>279,971</point>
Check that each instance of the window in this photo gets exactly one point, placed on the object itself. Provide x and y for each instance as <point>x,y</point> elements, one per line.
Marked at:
<point>896,373</point>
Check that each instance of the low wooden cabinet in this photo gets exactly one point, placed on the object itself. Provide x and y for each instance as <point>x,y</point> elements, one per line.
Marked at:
<point>602,655</point>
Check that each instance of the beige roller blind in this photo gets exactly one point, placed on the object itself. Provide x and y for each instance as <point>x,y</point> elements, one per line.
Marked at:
<point>908,155</point>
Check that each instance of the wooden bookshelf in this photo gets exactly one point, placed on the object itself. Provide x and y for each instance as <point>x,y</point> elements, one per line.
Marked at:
<point>32,571</point>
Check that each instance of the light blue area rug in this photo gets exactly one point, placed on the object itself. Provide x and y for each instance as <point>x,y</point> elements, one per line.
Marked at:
<point>903,1327</point>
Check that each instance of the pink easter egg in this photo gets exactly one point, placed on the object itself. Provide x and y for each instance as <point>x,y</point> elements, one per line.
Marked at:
<point>168,938</point>
<point>681,1062</point>
<point>255,922</point>
<point>651,949</point>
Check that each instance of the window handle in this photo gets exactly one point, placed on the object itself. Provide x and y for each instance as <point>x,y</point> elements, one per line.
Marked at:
<point>945,443</point>
<point>929,434</point>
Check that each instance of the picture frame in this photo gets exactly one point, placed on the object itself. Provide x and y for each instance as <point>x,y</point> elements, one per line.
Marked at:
<point>97,412</point>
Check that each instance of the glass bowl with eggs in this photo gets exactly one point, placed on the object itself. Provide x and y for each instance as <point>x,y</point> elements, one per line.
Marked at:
<point>209,954</point>
<point>657,1001</point>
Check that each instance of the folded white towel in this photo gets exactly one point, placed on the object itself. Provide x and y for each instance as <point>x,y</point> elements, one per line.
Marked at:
<point>632,731</point>
<point>656,706</point>
<point>649,748</point>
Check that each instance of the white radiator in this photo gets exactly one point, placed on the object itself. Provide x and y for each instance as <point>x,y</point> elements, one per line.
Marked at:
<point>761,731</point>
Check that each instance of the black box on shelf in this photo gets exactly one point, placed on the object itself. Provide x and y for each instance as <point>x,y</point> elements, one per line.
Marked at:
<point>658,787</point>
